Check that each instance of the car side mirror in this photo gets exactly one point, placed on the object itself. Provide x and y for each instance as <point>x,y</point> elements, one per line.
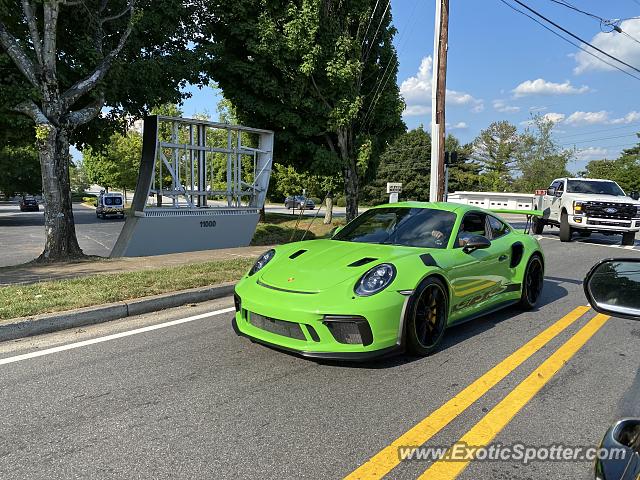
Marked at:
<point>551,191</point>
<point>613,287</point>
<point>635,195</point>
<point>475,242</point>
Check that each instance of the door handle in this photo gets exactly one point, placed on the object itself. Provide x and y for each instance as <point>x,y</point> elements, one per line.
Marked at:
<point>502,258</point>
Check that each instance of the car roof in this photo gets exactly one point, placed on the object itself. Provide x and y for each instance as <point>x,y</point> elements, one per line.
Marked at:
<point>445,206</point>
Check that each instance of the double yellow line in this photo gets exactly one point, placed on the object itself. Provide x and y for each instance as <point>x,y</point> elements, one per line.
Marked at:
<point>490,425</point>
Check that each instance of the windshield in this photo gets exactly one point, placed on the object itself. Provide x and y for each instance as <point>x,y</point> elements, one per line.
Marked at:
<point>594,187</point>
<point>410,227</point>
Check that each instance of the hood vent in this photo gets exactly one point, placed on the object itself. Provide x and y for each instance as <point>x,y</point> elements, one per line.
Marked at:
<point>362,261</point>
<point>296,254</point>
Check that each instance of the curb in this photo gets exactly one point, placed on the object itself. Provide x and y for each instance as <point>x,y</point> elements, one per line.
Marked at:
<point>53,322</point>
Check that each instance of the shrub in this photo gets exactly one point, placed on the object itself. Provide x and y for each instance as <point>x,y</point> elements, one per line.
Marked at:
<point>341,202</point>
<point>90,200</point>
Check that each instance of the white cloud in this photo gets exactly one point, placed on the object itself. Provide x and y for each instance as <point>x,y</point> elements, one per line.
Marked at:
<point>630,117</point>
<point>618,45</point>
<point>543,87</point>
<point>416,91</point>
<point>591,153</point>
<point>459,126</point>
<point>588,118</point>
<point>502,107</point>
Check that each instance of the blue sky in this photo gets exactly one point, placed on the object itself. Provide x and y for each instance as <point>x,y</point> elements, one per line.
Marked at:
<point>503,66</point>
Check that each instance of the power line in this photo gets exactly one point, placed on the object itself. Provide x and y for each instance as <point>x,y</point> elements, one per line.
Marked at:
<point>572,7</point>
<point>574,35</point>
<point>570,41</point>
<point>598,139</point>
<point>631,125</point>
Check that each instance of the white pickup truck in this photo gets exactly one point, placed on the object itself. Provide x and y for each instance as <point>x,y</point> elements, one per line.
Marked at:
<point>585,205</point>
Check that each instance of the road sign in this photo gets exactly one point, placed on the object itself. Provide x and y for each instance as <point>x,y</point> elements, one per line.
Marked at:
<point>394,187</point>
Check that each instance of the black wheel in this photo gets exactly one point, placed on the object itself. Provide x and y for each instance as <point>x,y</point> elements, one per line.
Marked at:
<point>428,314</point>
<point>565,229</point>
<point>629,238</point>
<point>532,283</point>
<point>538,226</point>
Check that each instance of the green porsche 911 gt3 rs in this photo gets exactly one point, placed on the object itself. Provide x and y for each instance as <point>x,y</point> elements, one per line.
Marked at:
<point>391,280</point>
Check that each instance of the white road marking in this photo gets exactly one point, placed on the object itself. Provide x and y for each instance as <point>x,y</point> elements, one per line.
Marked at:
<point>115,336</point>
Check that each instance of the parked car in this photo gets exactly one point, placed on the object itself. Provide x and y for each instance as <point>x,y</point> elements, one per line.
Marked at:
<point>585,205</point>
<point>28,203</point>
<point>300,202</point>
<point>110,204</point>
<point>613,288</point>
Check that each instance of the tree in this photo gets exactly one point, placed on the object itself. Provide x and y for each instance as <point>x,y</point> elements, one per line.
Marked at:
<point>539,158</point>
<point>117,163</point>
<point>321,74</point>
<point>79,178</point>
<point>407,160</point>
<point>63,71</point>
<point>624,170</point>
<point>20,170</point>
<point>495,149</point>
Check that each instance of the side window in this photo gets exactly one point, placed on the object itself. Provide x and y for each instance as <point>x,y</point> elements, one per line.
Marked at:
<point>496,228</point>
<point>560,187</point>
<point>473,223</point>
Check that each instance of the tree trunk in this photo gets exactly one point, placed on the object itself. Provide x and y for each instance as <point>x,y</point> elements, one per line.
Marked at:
<point>351,190</point>
<point>61,242</point>
<point>328,216</point>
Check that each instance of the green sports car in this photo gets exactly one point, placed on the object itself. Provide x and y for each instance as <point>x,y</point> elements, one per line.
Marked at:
<point>391,280</point>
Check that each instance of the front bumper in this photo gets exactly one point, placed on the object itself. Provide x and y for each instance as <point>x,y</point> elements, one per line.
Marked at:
<point>312,318</point>
<point>604,224</point>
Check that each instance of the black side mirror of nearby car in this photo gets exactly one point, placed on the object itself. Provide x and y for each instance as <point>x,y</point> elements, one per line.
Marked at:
<point>635,195</point>
<point>613,287</point>
<point>475,242</point>
<point>551,191</point>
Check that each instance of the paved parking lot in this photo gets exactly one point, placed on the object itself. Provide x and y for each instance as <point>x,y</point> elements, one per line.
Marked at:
<point>22,233</point>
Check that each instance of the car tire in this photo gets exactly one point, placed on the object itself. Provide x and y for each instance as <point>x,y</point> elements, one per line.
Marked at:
<point>565,228</point>
<point>532,283</point>
<point>629,238</point>
<point>538,226</point>
<point>428,312</point>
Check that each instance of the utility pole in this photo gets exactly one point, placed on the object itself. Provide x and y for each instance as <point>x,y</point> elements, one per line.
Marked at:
<point>438,94</point>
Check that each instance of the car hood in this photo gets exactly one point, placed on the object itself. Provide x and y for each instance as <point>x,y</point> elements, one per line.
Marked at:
<point>321,264</point>
<point>602,198</point>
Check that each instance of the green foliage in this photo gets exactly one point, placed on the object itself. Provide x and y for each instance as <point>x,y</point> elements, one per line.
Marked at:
<point>304,69</point>
<point>539,158</point>
<point>495,150</point>
<point>20,170</point>
<point>79,178</point>
<point>408,160</point>
<point>625,170</point>
<point>287,181</point>
<point>117,164</point>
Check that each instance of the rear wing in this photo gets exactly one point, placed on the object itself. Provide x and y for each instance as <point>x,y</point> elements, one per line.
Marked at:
<point>529,213</point>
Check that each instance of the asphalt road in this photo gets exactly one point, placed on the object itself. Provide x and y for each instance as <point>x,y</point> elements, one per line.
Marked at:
<point>23,233</point>
<point>192,400</point>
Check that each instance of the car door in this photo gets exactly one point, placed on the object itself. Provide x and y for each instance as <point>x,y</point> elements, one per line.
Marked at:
<point>556,200</point>
<point>476,277</point>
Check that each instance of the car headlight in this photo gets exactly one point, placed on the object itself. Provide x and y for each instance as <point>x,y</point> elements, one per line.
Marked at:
<point>375,280</point>
<point>578,207</point>
<point>262,261</point>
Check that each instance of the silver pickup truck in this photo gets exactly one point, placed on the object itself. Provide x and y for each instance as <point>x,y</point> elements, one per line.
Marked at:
<point>585,205</point>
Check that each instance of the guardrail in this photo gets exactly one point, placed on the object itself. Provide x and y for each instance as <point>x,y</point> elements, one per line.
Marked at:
<point>490,200</point>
